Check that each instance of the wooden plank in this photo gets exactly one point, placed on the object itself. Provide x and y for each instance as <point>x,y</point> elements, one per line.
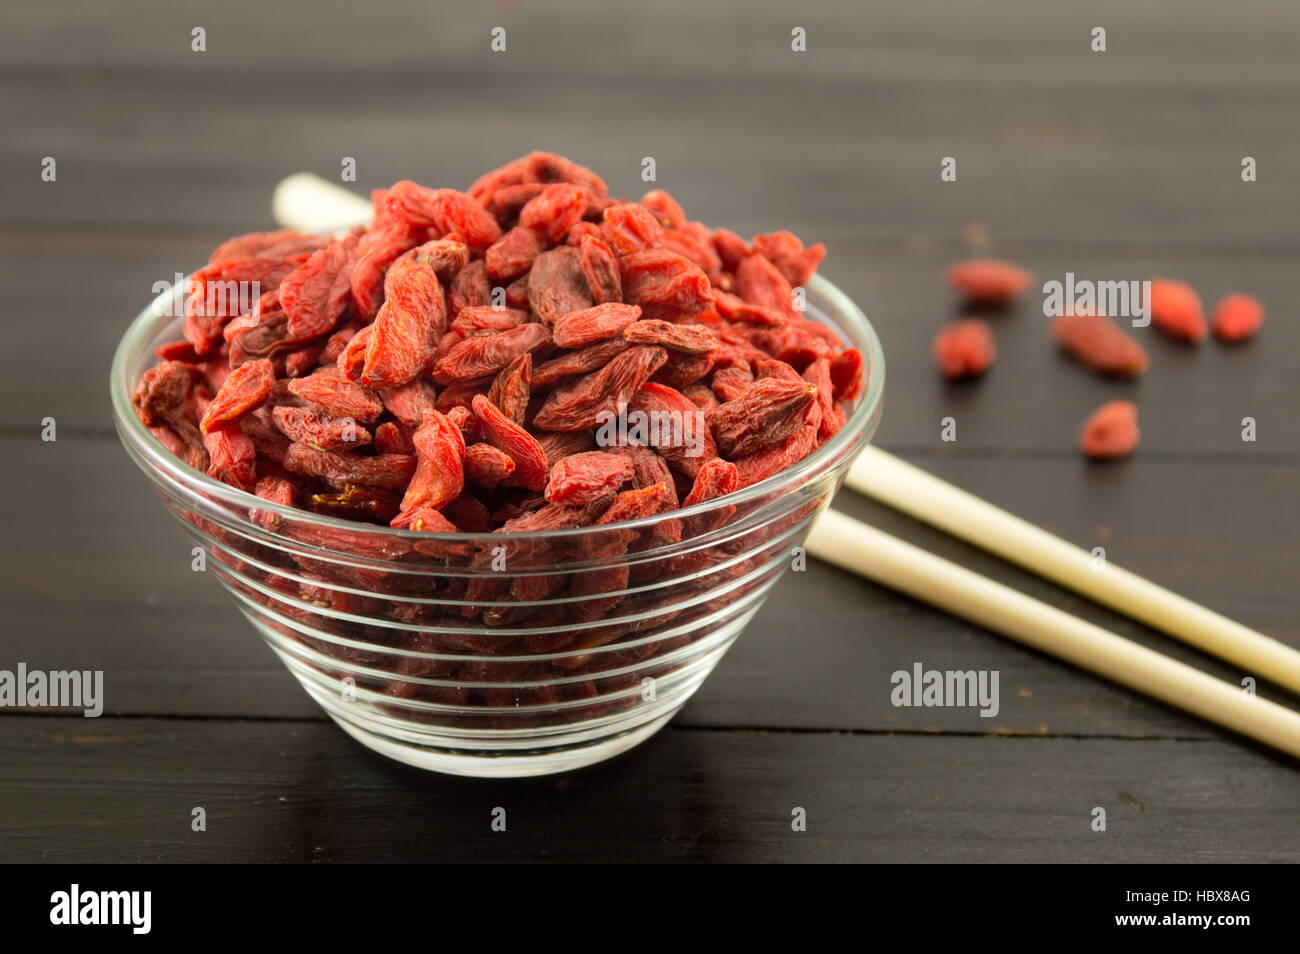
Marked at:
<point>123,790</point>
<point>1053,141</point>
<point>104,582</point>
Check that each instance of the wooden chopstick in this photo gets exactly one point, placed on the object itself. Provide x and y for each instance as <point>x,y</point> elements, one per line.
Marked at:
<point>884,477</point>
<point>866,551</point>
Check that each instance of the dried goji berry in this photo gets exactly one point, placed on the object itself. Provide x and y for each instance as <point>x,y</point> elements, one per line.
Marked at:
<point>554,210</point>
<point>585,478</point>
<point>247,387</point>
<point>488,466</point>
<point>776,458</point>
<point>556,285</point>
<point>1176,310</point>
<point>513,254</point>
<point>581,403</point>
<point>578,362</point>
<point>512,387</point>
<point>485,355</point>
<point>232,458</point>
<point>730,383</point>
<point>445,210</point>
<point>377,250</point>
<point>470,287</point>
<point>387,470</point>
<point>405,334</point>
<point>446,256</point>
<point>578,329</point>
<point>665,284</point>
<point>506,435</point>
<point>846,372</point>
<point>788,254</point>
<point>686,339</point>
<point>439,474</point>
<point>1100,343</point>
<point>630,228</point>
<point>766,413</point>
<point>1238,317</point>
<point>1111,431</point>
<point>989,281</point>
<point>600,269</point>
<point>338,396</point>
<point>676,428</point>
<point>715,478</point>
<point>964,349</point>
<point>316,293</point>
<point>321,430</point>
<point>410,402</point>
<point>761,283</point>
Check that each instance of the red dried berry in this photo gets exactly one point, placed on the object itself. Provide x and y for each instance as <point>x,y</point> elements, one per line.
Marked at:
<point>1238,317</point>
<point>316,293</point>
<point>485,355</point>
<point>768,412</point>
<point>513,254</point>
<point>989,281</point>
<point>554,210</point>
<point>321,430</point>
<point>578,329</point>
<point>338,396</point>
<point>1100,344</point>
<point>439,474</point>
<point>488,466</point>
<point>246,388</point>
<point>1176,310</point>
<point>405,334</point>
<point>388,470</point>
<point>585,478</point>
<point>1111,431</point>
<point>506,435</point>
<point>600,269</point>
<point>964,349</point>
<point>581,403</point>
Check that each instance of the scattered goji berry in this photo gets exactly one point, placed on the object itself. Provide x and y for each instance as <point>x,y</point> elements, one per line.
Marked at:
<point>1111,431</point>
<point>1100,344</point>
<point>989,281</point>
<point>1238,317</point>
<point>1176,310</point>
<point>964,349</point>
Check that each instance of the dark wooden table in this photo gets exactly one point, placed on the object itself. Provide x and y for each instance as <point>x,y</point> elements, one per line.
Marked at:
<point>1115,165</point>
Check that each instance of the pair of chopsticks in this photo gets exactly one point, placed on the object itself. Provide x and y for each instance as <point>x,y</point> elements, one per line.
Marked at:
<point>871,553</point>
<point>311,204</point>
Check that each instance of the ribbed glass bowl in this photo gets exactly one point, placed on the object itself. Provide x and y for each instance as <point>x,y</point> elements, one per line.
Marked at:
<point>500,654</point>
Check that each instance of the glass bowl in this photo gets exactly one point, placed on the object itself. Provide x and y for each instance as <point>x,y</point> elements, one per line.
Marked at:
<point>492,654</point>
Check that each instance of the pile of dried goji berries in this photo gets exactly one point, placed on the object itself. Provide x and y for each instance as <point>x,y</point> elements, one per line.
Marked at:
<point>965,349</point>
<point>451,366</point>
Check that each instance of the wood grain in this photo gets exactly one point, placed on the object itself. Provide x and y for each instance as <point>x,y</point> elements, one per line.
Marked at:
<point>273,791</point>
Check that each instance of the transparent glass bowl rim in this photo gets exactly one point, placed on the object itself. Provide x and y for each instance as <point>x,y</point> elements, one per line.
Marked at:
<point>146,326</point>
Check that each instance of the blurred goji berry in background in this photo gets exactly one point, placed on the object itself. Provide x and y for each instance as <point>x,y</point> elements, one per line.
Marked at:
<point>989,281</point>
<point>1111,431</point>
<point>964,349</point>
<point>1238,317</point>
